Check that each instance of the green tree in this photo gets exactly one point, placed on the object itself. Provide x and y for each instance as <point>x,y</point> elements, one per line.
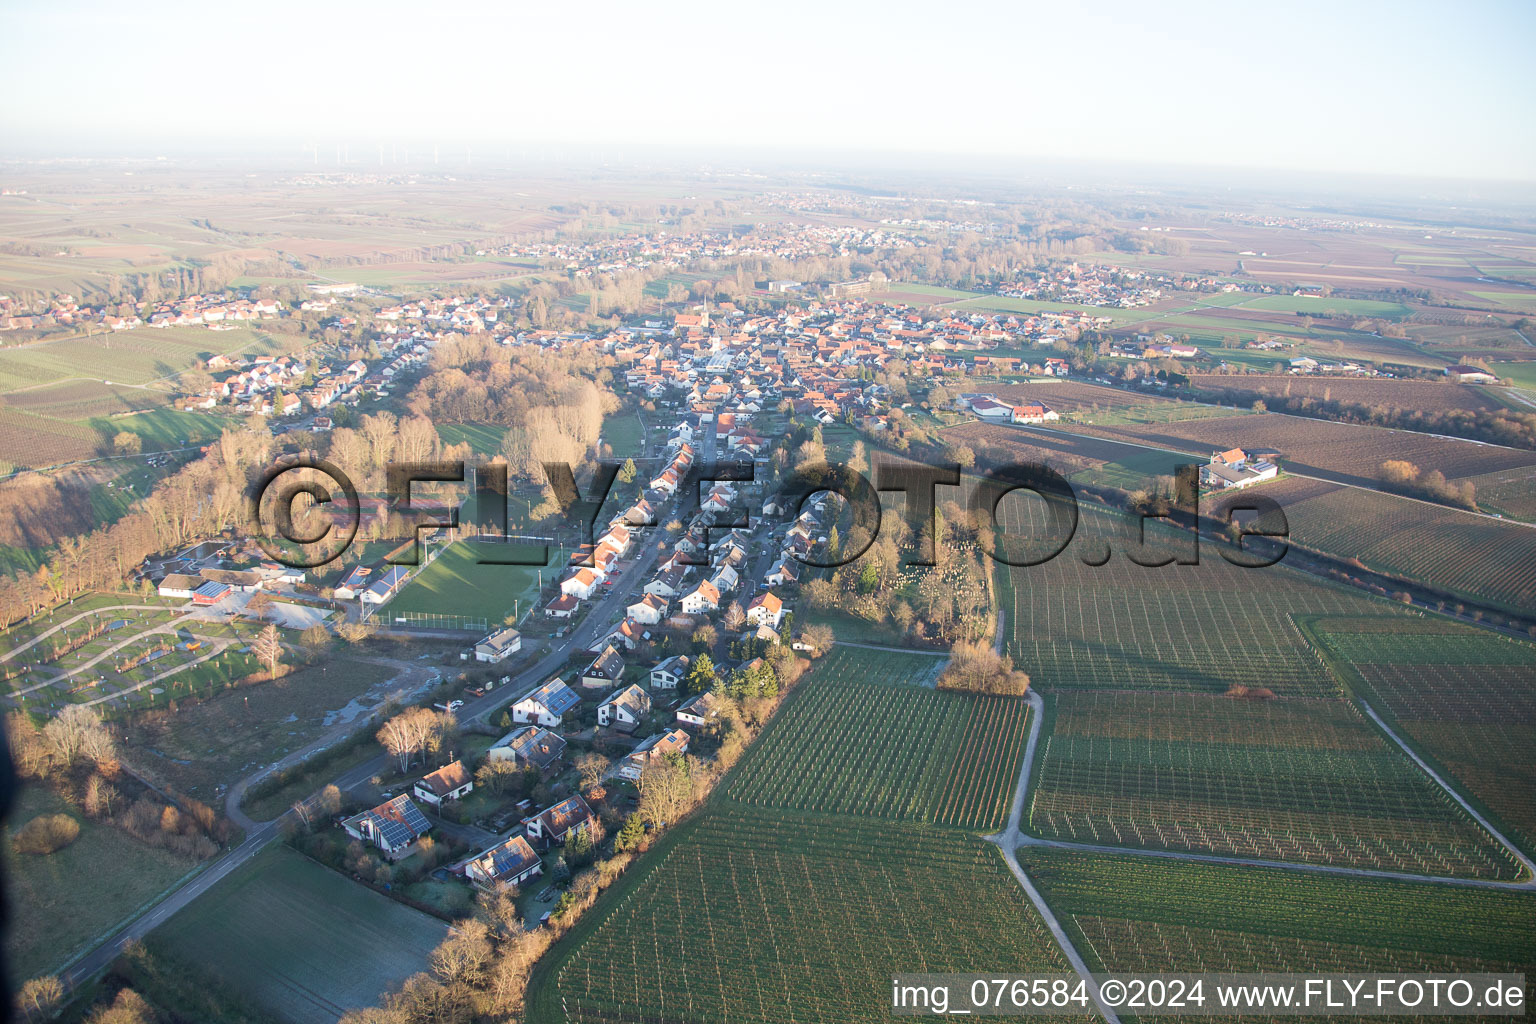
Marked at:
<point>627,472</point>
<point>701,676</point>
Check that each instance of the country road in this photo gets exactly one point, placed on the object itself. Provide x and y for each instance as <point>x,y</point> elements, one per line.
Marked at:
<point>598,619</point>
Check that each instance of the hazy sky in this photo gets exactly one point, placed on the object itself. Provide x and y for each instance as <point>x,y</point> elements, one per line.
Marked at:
<point>1407,88</point>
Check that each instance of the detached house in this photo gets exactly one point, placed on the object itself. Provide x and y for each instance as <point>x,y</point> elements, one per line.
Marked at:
<point>625,708</point>
<point>580,583</point>
<point>557,823</point>
<point>393,826</point>
<point>674,741</point>
<point>648,610</point>
<point>546,704</point>
<point>606,669</point>
<point>510,863</point>
<point>669,674</point>
<point>703,598</point>
<point>765,609</point>
<point>450,782</point>
<point>530,746</point>
<point>497,647</point>
<point>700,709</point>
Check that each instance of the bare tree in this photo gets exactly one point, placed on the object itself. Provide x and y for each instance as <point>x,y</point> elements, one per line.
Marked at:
<point>409,733</point>
<point>40,997</point>
<point>268,649</point>
<point>77,730</point>
<point>591,768</point>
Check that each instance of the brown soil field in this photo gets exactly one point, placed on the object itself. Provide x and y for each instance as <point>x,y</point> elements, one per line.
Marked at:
<point>1339,451</point>
<point>1428,396</point>
<point>1072,396</point>
<point>996,444</point>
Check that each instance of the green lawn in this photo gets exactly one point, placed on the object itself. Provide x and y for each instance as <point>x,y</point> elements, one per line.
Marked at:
<point>455,584</point>
<point>623,432</point>
<point>61,903</point>
<point>483,438</point>
<point>301,940</point>
<point>1332,304</point>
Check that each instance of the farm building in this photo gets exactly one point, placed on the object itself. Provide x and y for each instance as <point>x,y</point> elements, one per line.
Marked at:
<point>450,782</point>
<point>497,647</point>
<point>1234,469</point>
<point>393,826</point>
<point>509,863</point>
<point>1470,374</point>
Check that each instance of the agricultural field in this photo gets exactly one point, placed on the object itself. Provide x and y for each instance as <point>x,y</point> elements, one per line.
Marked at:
<point>1176,627</point>
<point>1093,403</point>
<point>300,940</point>
<point>1305,780</point>
<point>206,745</point>
<point>457,584</point>
<point>801,919</point>
<point>1344,452</point>
<point>856,739</point>
<point>1460,341</point>
<point>1457,552</point>
<point>59,904</point>
<point>1127,913</point>
<point>1464,697</point>
<point>1509,492</point>
<point>1423,395</point>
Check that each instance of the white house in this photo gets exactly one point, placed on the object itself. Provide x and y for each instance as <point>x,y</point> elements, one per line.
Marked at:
<point>674,741</point>
<point>512,862</point>
<point>450,782</point>
<point>765,609</point>
<point>700,709</point>
<point>580,583</point>
<point>498,646</point>
<point>393,826</point>
<point>703,598</point>
<point>669,674</point>
<point>648,610</point>
<point>624,708</point>
<point>546,704</point>
<point>529,745</point>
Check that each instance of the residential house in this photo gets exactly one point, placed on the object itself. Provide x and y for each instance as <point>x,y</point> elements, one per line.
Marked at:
<point>393,826</point>
<point>765,609</point>
<point>648,610</point>
<point>497,647</point>
<point>556,824</point>
<point>673,741</point>
<point>703,598</point>
<point>606,669</point>
<point>528,746</point>
<point>562,607</point>
<point>512,862</point>
<point>546,704</point>
<point>670,673</point>
<point>700,709</point>
<point>580,583</point>
<point>624,708</point>
<point>450,782</point>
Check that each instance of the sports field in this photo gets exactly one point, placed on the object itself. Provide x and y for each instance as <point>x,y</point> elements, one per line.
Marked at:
<point>300,940</point>
<point>457,583</point>
<point>1137,914</point>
